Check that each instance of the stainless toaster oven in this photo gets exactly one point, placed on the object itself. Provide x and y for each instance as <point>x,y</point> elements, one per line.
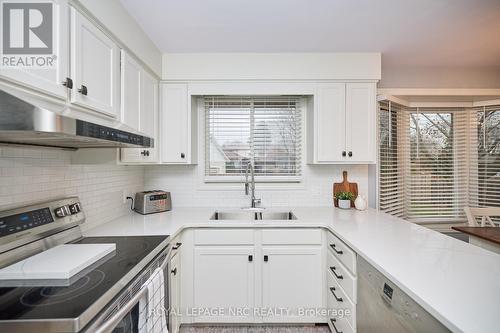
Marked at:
<point>155,201</point>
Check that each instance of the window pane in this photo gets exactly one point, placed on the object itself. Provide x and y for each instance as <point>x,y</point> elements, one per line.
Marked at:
<point>265,130</point>
<point>431,182</point>
<point>228,135</point>
<point>489,158</point>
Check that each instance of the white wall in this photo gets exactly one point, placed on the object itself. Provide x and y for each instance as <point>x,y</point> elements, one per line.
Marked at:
<point>440,77</point>
<point>185,185</point>
<point>34,175</point>
<point>271,66</point>
<point>116,19</point>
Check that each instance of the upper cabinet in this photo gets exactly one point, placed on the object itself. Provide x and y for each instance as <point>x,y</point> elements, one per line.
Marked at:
<point>50,80</point>
<point>130,91</point>
<point>361,119</point>
<point>329,122</point>
<point>139,109</point>
<point>343,124</point>
<point>177,125</point>
<point>95,67</point>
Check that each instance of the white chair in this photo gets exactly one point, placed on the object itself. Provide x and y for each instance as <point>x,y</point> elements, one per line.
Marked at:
<point>485,214</point>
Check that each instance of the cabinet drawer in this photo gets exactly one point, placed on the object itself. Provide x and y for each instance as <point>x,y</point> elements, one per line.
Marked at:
<point>340,325</point>
<point>291,236</point>
<point>342,252</point>
<point>338,301</point>
<point>343,277</point>
<point>224,237</point>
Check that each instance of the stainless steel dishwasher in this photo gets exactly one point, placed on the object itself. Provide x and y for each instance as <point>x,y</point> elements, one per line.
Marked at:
<point>383,307</point>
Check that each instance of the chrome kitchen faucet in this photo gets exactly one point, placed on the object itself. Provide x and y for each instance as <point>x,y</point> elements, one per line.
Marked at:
<point>250,186</point>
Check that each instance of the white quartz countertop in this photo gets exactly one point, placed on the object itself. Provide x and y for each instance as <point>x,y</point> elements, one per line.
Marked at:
<point>458,283</point>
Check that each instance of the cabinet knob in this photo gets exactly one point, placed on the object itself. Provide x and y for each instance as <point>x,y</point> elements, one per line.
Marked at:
<point>83,90</point>
<point>68,83</point>
<point>174,271</point>
<point>183,155</point>
<point>145,153</point>
<point>350,154</point>
<point>266,258</point>
<point>250,258</point>
<point>176,246</point>
<point>343,153</point>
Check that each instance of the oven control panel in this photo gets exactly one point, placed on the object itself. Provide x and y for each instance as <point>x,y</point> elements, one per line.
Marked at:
<point>24,221</point>
<point>39,219</point>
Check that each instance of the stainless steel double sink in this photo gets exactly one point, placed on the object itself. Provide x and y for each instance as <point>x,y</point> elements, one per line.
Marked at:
<point>253,215</point>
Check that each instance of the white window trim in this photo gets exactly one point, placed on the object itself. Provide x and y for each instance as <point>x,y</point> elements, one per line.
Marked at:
<point>234,183</point>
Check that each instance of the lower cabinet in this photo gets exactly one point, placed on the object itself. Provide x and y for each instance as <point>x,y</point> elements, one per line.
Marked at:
<point>174,289</point>
<point>341,285</point>
<point>292,280</point>
<point>242,276</point>
<point>224,284</point>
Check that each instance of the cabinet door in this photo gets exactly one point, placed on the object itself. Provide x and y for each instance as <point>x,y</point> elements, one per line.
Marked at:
<point>175,124</point>
<point>292,279</point>
<point>95,67</point>
<point>175,288</point>
<point>329,122</point>
<point>148,123</point>
<point>224,279</point>
<point>48,80</point>
<point>130,91</point>
<point>361,113</point>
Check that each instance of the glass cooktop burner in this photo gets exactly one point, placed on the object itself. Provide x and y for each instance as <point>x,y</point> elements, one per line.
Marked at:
<point>73,300</point>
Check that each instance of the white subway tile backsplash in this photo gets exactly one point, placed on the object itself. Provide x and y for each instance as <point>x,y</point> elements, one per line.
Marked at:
<point>30,175</point>
<point>316,189</point>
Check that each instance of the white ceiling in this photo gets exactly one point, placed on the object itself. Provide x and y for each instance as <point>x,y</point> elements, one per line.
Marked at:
<point>416,33</point>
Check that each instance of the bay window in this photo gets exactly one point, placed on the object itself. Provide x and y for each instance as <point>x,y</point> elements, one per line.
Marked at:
<point>435,161</point>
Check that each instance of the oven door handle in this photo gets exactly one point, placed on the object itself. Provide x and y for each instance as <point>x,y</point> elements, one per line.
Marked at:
<point>111,323</point>
<point>114,320</point>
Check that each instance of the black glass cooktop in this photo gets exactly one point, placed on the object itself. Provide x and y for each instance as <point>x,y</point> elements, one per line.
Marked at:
<point>71,301</point>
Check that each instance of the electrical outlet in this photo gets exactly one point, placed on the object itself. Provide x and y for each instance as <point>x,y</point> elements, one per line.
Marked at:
<point>126,194</point>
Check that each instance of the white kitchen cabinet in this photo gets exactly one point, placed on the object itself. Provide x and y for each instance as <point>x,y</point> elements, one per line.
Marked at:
<point>329,122</point>
<point>344,124</point>
<point>48,80</point>
<point>147,116</point>
<point>341,284</point>
<point>177,125</point>
<point>95,67</point>
<point>292,279</point>
<point>174,289</point>
<point>131,75</point>
<point>361,111</point>
<point>224,280</point>
<point>252,269</point>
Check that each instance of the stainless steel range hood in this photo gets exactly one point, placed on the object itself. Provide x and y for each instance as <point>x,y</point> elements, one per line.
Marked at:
<point>22,123</point>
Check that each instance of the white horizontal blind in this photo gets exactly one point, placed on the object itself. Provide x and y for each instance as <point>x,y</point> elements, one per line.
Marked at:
<point>391,189</point>
<point>436,172</point>
<point>266,130</point>
<point>435,161</point>
<point>485,153</point>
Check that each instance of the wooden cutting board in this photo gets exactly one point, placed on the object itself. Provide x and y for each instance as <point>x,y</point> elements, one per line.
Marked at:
<point>345,186</point>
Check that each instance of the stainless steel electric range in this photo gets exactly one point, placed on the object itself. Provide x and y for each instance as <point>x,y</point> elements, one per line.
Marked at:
<point>100,294</point>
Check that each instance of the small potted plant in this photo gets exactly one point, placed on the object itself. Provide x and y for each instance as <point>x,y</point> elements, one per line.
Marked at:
<point>344,199</point>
